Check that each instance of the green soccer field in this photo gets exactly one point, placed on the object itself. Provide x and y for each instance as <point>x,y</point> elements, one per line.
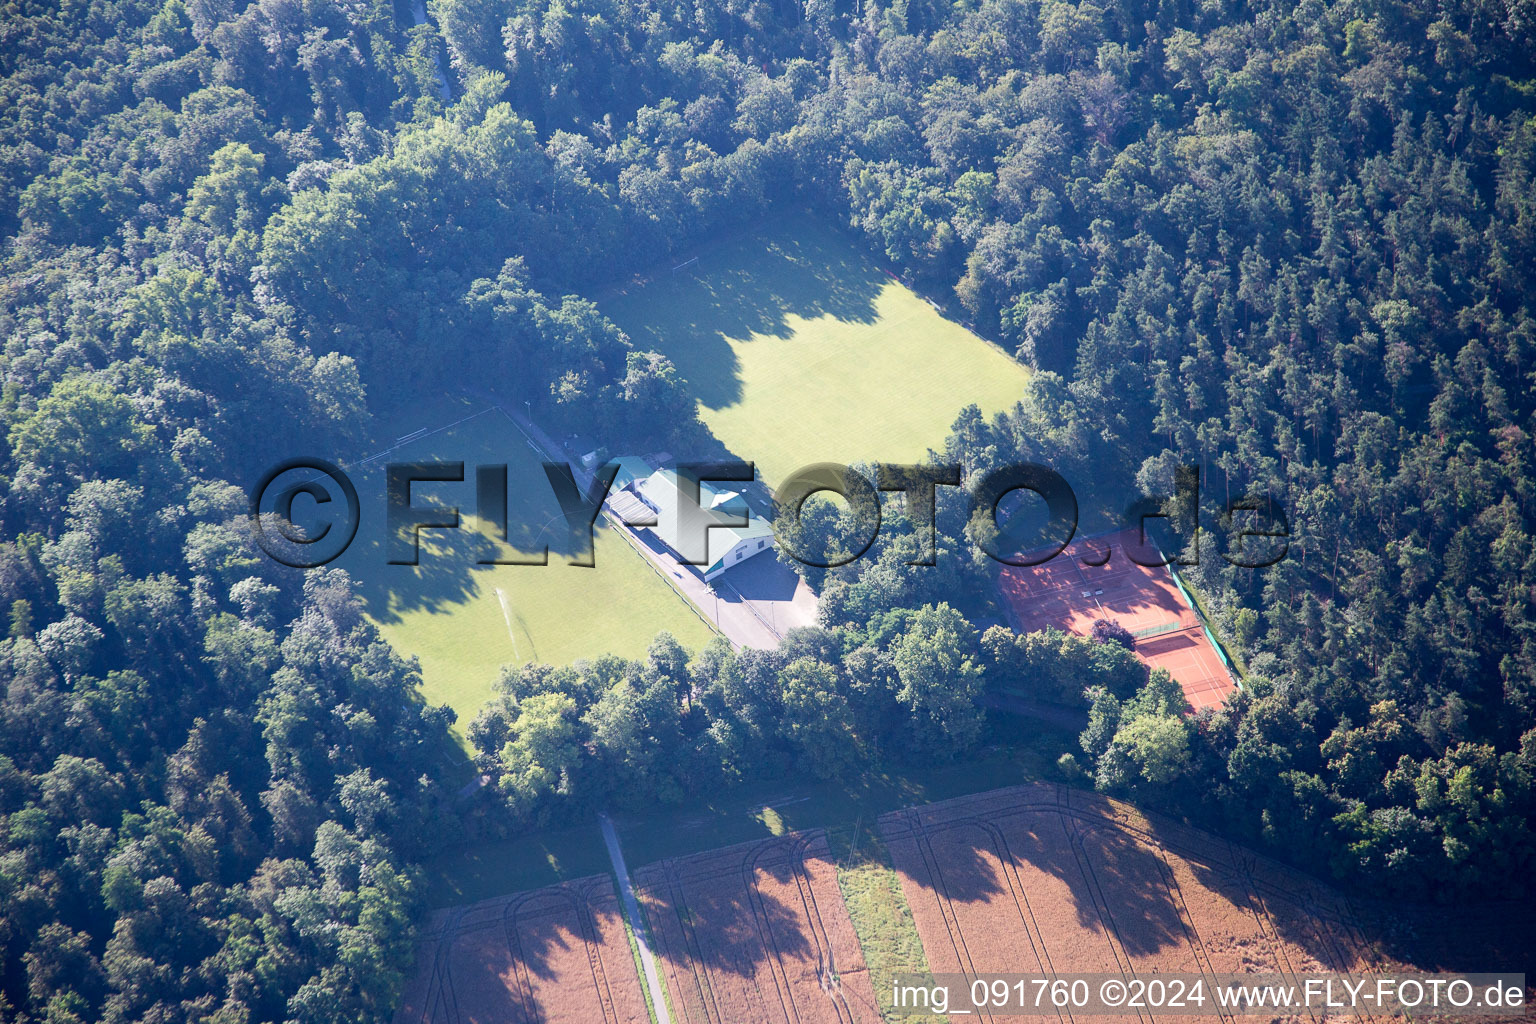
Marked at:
<point>800,349</point>
<point>465,621</point>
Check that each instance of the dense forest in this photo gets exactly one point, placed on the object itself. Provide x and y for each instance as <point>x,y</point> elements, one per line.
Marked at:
<point>1292,243</point>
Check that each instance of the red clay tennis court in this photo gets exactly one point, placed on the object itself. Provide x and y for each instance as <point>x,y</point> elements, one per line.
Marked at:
<point>1093,578</point>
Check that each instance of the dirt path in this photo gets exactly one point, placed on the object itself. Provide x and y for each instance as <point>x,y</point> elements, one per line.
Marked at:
<point>637,923</point>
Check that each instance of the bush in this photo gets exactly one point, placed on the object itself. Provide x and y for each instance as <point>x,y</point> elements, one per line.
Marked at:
<point>1068,768</point>
<point>1108,631</point>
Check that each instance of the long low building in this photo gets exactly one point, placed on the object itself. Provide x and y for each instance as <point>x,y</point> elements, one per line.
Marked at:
<point>693,530</point>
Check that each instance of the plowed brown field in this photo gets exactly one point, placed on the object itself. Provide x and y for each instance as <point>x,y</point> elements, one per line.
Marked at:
<point>557,955</point>
<point>757,934</point>
<point>1048,880</point>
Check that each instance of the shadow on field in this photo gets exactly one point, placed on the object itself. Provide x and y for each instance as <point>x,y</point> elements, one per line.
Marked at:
<point>745,286</point>
<point>447,559</point>
<point>1095,880</point>
<point>737,910</point>
<point>1033,867</point>
<point>1461,938</point>
<point>545,927</point>
<point>557,951</point>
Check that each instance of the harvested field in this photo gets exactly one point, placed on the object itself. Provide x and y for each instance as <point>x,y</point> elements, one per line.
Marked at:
<point>1094,578</point>
<point>757,933</point>
<point>1044,879</point>
<point>558,955</point>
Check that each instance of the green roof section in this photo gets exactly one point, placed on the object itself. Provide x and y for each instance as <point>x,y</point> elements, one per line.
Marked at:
<point>633,470</point>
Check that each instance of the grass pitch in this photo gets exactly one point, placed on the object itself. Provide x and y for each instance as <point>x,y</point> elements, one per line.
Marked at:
<point>801,349</point>
<point>465,621</point>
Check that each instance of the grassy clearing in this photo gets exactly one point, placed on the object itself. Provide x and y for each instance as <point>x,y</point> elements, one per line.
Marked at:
<point>465,621</point>
<point>801,349</point>
<point>497,867</point>
<point>881,919</point>
<point>754,810</point>
<point>757,810</point>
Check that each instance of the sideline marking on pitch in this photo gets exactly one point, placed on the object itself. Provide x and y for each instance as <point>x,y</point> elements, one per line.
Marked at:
<point>506,613</point>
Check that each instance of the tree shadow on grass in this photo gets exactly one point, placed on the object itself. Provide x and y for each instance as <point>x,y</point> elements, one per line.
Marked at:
<point>448,560</point>
<point>743,287</point>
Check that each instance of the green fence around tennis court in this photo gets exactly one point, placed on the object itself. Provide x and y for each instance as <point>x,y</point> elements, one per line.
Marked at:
<point>1215,643</point>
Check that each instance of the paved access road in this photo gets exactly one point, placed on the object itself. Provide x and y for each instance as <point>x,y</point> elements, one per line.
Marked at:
<point>769,601</point>
<point>637,923</point>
